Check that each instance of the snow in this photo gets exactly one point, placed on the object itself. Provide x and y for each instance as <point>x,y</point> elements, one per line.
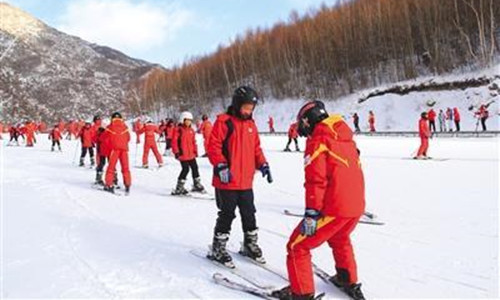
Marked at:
<point>60,238</point>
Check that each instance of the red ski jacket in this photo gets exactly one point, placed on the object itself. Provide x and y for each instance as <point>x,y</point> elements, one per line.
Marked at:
<point>456,114</point>
<point>206,129</point>
<point>55,134</point>
<point>103,140</point>
<point>431,115</point>
<point>169,131</point>
<point>87,136</point>
<point>236,142</point>
<point>334,182</point>
<point>423,128</point>
<point>292,131</point>
<point>184,143</point>
<point>149,130</point>
<point>119,135</point>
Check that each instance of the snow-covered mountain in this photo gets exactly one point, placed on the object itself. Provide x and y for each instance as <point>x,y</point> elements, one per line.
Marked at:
<point>47,74</point>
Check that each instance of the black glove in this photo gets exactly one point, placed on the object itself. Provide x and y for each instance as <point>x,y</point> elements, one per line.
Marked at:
<point>266,171</point>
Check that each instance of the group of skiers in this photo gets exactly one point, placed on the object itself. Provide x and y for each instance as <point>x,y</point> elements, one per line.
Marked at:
<point>446,119</point>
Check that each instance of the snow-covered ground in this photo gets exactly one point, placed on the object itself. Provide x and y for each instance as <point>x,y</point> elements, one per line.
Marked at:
<point>60,238</point>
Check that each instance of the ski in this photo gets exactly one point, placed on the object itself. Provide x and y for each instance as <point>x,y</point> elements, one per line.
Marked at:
<point>197,196</point>
<point>323,275</point>
<point>235,271</point>
<point>262,293</point>
<point>424,159</point>
<point>117,191</point>
<point>264,266</point>
<point>363,220</point>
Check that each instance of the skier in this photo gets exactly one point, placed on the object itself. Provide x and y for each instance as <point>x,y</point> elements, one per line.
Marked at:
<point>371,121</point>
<point>292,135</point>
<point>270,122</point>
<point>449,118</point>
<point>185,150</point>
<point>150,130</point>
<point>235,153</point>
<point>355,120</point>
<point>206,131</point>
<point>30,129</point>
<point>442,121</point>
<point>55,135</point>
<point>119,136</point>
<point>103,151</point>
<point>14,134</point>
<point>86,137</point>
<point>425,134</point>
<point>431,115</point>
<point>136,127</point>
<point>482,114</point>
<point>169,133</point>
<point>334,203</point>
<point>456,117</point>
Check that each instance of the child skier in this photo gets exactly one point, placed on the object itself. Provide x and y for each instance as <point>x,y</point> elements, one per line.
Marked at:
<point>86,136</point>
<point>335,201</point>
<point>185,150</point>
<point>425,134</point>
<point>292,135</point>
<point>234,151</point>
<point>55,135</point>
<point>150,130</point>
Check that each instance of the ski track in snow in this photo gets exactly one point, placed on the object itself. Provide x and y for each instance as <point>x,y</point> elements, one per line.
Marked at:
<point>64,239</point>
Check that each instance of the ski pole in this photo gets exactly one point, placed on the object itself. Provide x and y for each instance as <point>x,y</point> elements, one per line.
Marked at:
<point>76,149</point>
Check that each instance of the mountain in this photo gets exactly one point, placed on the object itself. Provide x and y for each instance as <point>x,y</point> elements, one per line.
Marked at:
<point>47,74</point>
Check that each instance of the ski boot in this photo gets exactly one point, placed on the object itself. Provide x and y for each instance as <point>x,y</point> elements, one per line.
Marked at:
<point>98,179</point>
<point>341,280</point>
<point>218,252</point>
<point>81,162</point>
<point>52,148</point>
<point>180,189</point>
<point>127,190</point>
<point>197,186</point>
<point>110,189</point>
<point>250,248</point>
<point>286,294</point>
<point>297,149</point>
<point>92,162</point>
<point>287,150</point>
<point>145,166</point>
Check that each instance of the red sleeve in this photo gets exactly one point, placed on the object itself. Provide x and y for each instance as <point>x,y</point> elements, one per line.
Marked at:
<point>195,146</point>
<point>217,136</point>
<point>315,174</point>
<point>260,159</point>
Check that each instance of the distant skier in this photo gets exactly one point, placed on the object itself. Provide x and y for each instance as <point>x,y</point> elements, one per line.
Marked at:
<point>456,117</point>
<point>55,135</point>
<point>136,127</point>
<point>86,136</point>
<point>185,150</point>
<point>334,203</point>
<point>371,121</point>
<point>14,133</point>
<point>206,131</point>
<point>235,153</point>
<point>442,121</point>
<point>103,151</point>
<point>431,116</point>
<point>169,134</point>
<point>449,118</point>
<point>482,114</point>
<point>150,130</point>
<point>292,135</point>
<point>119,137</point>
<point>355,120</point>
<point>30,128</point>
<point>270,122</point>
<point>1,131</point>
<point>425,134</point>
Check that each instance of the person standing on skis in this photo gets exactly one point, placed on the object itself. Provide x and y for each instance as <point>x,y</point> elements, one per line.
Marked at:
<point>185,150</point>
<point>206,131</point>
<point>150,130</point>
<point>86,136</point>
<point>334,203</point>
<point>169,134</point>
<point>292,135</point>
<point>55,135</point>
<point>119,136</point>
<point>425,134</point>
<point>235,153</point>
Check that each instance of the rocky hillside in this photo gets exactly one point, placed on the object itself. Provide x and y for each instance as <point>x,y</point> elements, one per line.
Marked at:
<point>47,74</point>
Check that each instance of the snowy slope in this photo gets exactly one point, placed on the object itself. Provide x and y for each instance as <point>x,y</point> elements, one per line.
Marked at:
<point>63,239</point>
<point>395,112</point>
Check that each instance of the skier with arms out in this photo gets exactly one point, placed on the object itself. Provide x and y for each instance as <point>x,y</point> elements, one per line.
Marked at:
<point>150,130</point>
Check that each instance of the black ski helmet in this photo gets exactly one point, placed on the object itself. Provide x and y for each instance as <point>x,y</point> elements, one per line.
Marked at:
<point>309,115</point>
<point>96,117</point>
<point>116,115</point>
<point>243,95</point>
<point>423,115</point>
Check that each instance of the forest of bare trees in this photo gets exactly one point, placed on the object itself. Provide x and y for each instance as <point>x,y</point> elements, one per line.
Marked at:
<point>334,51</point>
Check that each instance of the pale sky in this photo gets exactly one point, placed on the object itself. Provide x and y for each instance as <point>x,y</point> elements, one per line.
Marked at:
<point>166,32</point>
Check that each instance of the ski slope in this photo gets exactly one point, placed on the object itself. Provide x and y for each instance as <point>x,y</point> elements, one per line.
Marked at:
<point>60,238</point>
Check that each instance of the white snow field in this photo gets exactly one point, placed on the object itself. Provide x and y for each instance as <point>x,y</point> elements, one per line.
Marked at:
<point>62,239</point>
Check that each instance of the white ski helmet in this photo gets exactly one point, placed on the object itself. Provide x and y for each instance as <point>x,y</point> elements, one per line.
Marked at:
<point>185,115</point>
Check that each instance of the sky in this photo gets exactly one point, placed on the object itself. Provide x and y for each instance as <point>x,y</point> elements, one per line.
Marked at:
<point>167,32</point>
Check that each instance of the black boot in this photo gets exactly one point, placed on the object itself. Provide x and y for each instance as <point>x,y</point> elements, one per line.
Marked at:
<point>98,178</point>
<point>286,294</point>
<point>127,189</point>
<point>179,188</point>
<point>354,291</point>
<point>197,186</point>
<point>341,280</point>
<point>110,189</point>
<point>250,247</point>
<point>92,162</point>
<point>219,252</point>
